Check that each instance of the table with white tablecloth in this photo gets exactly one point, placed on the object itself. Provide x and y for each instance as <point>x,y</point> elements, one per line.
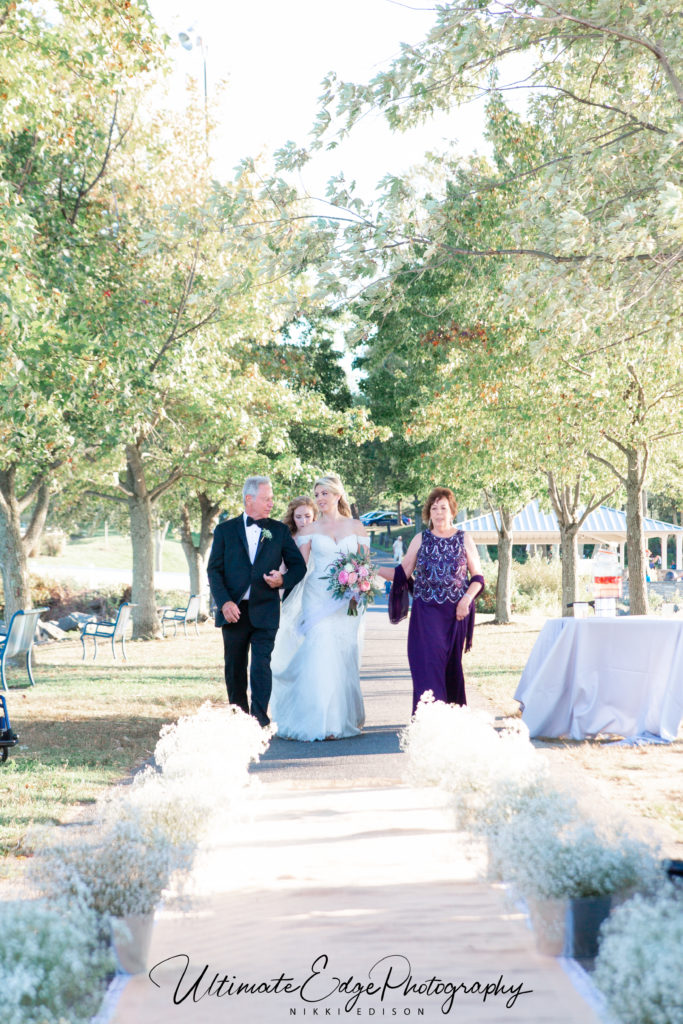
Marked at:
<point>622,676</point>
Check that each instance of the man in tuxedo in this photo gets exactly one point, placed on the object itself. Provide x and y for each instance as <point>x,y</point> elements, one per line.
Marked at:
<point>245,579</point>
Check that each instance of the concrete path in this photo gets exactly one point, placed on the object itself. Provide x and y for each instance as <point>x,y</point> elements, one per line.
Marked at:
<point>345,893</point>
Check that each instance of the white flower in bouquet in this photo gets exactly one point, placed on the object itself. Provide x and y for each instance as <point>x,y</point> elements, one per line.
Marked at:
<point>115,870</point>
<point>461,751</point>
<point>53,963</point>
<point>638,968</point>
<point>546,860</point>
<point>212,749</point>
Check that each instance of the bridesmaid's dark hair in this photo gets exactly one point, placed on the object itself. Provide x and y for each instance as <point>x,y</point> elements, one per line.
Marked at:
<point>295,503</point>
<point>439,492</point>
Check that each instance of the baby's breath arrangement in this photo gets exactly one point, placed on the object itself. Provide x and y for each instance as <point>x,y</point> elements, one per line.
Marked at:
<point>461,751</point>
<point>117,869</point>
<point>638,968</point>
<point>53,963</point>
<point>511,801</point>
<point>155,803</point>
<point>213,747</point>
<point>545,859</point>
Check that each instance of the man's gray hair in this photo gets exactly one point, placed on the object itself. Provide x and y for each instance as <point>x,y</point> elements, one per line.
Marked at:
<point>252,484</point>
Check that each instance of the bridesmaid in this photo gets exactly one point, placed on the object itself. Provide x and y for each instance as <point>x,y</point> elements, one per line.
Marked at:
<point>447,578</point>
<point>300,512</point>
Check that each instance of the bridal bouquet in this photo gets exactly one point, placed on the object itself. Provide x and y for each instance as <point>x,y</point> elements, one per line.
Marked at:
<point>353,578</point>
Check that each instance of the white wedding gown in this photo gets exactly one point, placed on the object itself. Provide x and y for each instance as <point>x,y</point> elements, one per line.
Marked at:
<point>316,659</point>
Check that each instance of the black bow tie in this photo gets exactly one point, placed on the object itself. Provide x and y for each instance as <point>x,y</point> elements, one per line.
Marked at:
<point>255,522</point>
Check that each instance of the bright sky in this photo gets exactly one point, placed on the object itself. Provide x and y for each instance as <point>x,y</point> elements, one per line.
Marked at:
<point>275,55</point>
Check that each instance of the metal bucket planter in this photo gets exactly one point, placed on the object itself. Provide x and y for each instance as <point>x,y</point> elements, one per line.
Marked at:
<point>569,927</point>
<point>131,939</point>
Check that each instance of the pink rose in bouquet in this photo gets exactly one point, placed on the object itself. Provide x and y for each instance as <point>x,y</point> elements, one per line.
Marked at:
<point>353,578</point>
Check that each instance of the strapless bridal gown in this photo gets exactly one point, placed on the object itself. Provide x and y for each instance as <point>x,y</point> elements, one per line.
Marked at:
<point>316,660</point>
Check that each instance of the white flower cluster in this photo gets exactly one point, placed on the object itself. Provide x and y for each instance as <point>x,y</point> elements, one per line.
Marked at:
<point>638,968</point>
<point>213,746</point>
<point>549,859</point>
<point>546,846</point>
<point>460,751</point>
<point>115,869</point>
<point>144,835</point>
<point>53,962</point>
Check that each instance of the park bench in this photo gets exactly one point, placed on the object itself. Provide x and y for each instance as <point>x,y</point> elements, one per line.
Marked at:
<point>8,738</point>
<point>109,630</point>
<point>175,615</point>
<point>19,640</point>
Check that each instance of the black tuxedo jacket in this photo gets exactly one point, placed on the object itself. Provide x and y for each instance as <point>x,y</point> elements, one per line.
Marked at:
<point>231,573</point>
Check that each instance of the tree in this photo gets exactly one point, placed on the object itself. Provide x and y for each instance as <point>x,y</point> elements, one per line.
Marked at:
<point>62,87</point>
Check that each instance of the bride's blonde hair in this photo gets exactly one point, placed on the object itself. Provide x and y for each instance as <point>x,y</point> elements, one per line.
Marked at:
<point>332,482</point>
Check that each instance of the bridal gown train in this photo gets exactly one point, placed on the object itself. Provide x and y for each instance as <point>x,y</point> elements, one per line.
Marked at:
<point>316,660</point>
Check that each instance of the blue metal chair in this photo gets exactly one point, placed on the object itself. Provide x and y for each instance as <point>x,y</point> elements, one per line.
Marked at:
<point>184,615</point>
<point>8,738</point>
<point>110,630</point>
<point>19,640</point>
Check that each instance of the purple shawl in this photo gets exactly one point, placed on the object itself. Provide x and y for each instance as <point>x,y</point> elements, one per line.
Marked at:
<point>399,600</point>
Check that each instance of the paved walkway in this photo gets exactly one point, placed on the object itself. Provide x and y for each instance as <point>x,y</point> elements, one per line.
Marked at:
<point>345,893</point>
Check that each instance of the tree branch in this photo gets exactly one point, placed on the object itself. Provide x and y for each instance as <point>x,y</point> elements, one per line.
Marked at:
<point>84,190</point>
<point>166,485</point>
<point>187,288</point>
<point>109,497</point>
<point>610,466</point>
<point>655,50</point>
<point>589,103</point>
<point>616,443</point>
<point>592,505</point>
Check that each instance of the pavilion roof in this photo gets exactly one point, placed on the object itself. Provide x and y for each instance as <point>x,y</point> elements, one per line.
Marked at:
<point>534,526</point>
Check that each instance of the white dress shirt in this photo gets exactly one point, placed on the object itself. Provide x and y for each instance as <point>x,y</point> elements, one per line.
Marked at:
<point>253,536</point>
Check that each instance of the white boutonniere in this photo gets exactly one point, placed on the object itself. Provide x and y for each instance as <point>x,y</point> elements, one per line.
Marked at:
<point>266,535</point>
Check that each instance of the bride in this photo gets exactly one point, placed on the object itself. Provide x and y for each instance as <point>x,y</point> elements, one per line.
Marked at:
<point>316,661</point>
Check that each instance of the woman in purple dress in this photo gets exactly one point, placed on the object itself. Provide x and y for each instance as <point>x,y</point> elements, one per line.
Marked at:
<point>444,563</point>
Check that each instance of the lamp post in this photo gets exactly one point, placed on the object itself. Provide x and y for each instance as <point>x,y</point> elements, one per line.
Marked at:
<point>189,40</point>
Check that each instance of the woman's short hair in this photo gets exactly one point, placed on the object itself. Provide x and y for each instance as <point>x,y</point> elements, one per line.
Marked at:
<point>332,482</point>
<point>252,484</point>
<point>434,495</point>
<point>295,503</point>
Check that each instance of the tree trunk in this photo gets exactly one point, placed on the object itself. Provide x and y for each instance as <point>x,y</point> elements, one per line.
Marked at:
<point>570,566</point>
<point>145,619</point>
<point>566,501</point>
<point>196,553</point>
<point>15,578</point>
<point>504,581</point>
<point>13,547</point>
<point>635,535</point>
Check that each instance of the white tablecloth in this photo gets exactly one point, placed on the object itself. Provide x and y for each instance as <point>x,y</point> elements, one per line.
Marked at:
<point>602,675</point>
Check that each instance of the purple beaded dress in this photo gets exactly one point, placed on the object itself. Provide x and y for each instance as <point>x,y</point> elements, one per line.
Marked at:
<point>436,639</point>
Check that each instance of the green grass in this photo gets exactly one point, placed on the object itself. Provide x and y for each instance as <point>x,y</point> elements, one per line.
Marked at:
<point>117,553</point>
<point>85,726</point>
